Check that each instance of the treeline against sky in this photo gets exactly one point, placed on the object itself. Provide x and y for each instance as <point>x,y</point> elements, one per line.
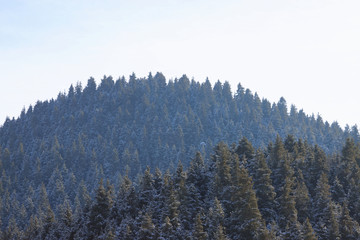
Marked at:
<point>59,148</point>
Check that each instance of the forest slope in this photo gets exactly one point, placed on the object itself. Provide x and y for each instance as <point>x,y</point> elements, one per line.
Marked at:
<point>63,145</point>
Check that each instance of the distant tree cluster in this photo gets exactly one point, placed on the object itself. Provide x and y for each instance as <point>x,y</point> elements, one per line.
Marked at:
<point>54,155</point>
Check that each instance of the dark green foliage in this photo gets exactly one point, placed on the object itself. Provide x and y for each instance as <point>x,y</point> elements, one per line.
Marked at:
<point>100,210</point>
<point>324,214</point>
<point>199,233</point>
<point>349,229</point>
<point>147,230</point>
<point>217,199</point>
<point>54,155</point>
<point>308,231</point>
<point>302,197</point>
<point>265,191</point>
<point>245,221</point>
<point>219,234</point>
<point>245,149</point>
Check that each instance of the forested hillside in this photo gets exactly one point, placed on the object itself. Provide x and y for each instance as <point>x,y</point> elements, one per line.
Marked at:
<point>53,157</point>
<point>290,191</point>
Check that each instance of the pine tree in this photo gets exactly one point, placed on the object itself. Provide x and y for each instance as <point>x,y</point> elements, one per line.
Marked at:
<point>100,210</point>
<point>219,234</point>
<point>323,213</point>
<point>146,189</point>
<point>222,179</point>
<point>167,231</point>
<point>45,213</point>
<point>288,219</point>
<point>245,148</point>
<point>12,232</point>
<point>197,175</point>
<point>316,165</point>
<point>349,229</point>
<point>245,220</point>
<point>277,152</point>
<point>309,233</point>
<point>66,221</point>
<point>126,204</point>
<point>173,206</point>
<point>281,167</point>
<point>199,233</point>
<point>264,190</point>
<point>302,197</point>
<point>290,145</point>
<point>180,182</point>
<point>32,230</point>
<point>48,223</point>
<point>337,191</point>
<point>129,235</point>
<point>147,230</point>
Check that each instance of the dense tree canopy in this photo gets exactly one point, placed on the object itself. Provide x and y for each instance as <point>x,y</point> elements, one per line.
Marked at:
<point>149,158</point>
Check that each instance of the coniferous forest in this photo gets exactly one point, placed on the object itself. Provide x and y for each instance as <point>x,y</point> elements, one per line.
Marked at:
<point>147,158</point>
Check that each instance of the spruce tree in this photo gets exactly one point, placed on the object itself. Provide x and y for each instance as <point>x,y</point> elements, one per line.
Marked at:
<point>288,219</point>
<point>349,229</point>
<point>147,230</point>
<point>302,197</point>
<point>265,192</point>
<point>323,211</point>
<point>197,175</point>
<point>100,211</point>
<point>222,179</point>
<point>245,148</point>
<point>308,231</point>
<point>219,234</point>
<point>245,221</point>
<point>199,233</point>
<point>167,230</point>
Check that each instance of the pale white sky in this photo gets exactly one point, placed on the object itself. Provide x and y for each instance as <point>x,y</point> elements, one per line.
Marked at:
<point>307,51</point>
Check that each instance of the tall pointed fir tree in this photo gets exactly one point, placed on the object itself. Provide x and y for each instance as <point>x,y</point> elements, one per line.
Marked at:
<point>147,230</point>
<point>288,219</point>
<point>349,228</point>
<point>198,232</point>
<point>222,159</point>
<point>265,192</point>
<point>100,211</point>
<point>245,221</point>
<point>302,197</point>
<point>308,231</point>
<point>324,214</point>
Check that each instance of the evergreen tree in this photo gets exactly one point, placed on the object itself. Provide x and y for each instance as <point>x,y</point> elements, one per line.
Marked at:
<point>349,229</point>
<point>199,233</point>
<point>309,233</point>
<point>281,167</point>
<point>264,190</point>
<point>197,175</point>
<point>66,222</point>
<point>245,220</point>
<point>222,180</point>
<point>324,213</point>
<point>100,210</point>
<point>219,234</point>
<point>167,230</point>
<point>245,148</point>
<point>288,219</point>
<point>147,230</point>
<point>302,197</point>
<point>147,189</point>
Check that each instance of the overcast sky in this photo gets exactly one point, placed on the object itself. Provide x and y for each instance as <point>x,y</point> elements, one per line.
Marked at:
<point>307,51</point>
